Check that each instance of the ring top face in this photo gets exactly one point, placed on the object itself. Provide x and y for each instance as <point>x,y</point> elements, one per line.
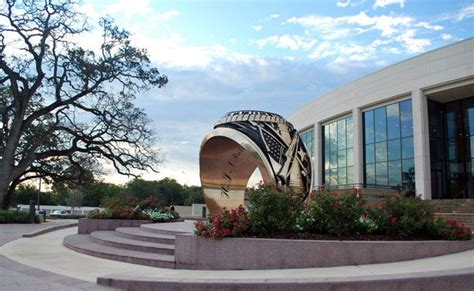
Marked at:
<point>243,141</point>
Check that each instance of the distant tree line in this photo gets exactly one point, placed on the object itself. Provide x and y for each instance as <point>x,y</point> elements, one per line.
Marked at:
<point>94,194</point>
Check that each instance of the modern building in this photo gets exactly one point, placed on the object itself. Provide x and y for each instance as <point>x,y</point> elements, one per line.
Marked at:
<point>408,126</point>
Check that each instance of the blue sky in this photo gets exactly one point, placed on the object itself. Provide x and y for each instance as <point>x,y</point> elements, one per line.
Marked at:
<point>268,55</point>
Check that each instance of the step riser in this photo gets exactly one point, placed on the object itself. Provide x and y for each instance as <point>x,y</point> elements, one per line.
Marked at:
<point>133,247</point>
<point>146,238</point>
<point>132,260</point>
<point>161,231</point>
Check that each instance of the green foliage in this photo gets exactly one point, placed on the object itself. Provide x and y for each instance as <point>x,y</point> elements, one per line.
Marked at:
<point>24,193</point>
<point>167,191</point>
<point>125,212</point>
<point>403,216</point>
<point>16,216</point>
<point>233,223</point>
<point>160,215</point>
<point>94,193</point>
<point>74,198</point>
<point>335,213</point>
<point>273,211</point>
<point>193,195</point>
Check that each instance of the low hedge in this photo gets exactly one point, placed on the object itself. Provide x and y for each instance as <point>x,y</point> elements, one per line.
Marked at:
<point>16,216</point>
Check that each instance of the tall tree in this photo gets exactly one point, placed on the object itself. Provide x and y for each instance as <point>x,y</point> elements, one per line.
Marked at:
<point>65,107</point>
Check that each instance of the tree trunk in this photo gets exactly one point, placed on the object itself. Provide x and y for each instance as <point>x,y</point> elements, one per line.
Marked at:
<point>4,197</point>
<point>6,193</point>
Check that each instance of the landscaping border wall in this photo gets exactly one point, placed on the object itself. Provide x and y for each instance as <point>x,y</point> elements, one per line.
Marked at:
<point>193,252</point>
<point>87,225</point>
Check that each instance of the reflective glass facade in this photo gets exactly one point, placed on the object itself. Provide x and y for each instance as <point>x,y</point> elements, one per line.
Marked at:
<point>338,154</point>
<point>452,148</point>
<point>388,147</point>
<point>307,137</point>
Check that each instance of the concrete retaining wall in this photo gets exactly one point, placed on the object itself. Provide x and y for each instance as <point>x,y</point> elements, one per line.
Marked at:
<point>193,252</point>
<point>87,225</point>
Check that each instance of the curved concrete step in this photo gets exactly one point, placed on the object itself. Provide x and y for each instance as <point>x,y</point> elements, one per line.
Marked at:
<point>112,239</point>
<point>138,234</point>
<point>172,228</point>
<point>458,279</point>
<point>83,243</point>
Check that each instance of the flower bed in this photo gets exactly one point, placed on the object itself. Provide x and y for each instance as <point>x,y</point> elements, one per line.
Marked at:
<point>334,215</point>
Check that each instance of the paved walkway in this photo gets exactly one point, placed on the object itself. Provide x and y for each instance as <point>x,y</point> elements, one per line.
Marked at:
<point>17,276</point>
<point>46,252</point>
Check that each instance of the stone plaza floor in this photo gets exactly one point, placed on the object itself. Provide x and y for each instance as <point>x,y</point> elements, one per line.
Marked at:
<point>43,263</point>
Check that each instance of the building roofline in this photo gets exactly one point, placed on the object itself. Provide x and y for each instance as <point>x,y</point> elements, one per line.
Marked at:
<point>313,99</point>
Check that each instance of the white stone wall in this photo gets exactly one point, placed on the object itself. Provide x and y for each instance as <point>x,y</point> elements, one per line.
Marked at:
<point>448,65</point>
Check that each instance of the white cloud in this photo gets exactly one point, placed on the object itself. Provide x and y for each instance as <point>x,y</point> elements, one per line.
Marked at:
<point>167,15</point>
<point>286,41</point>
<point>343,4</point>
<point>257,27</point>
<point>274,15</point>
<point>388,25</point>
<point>322,51</point>
<point>383,3</point>
<point>412,44</point>
<point>446,36</point>
<point>465,13</point>
<point>429,26</point>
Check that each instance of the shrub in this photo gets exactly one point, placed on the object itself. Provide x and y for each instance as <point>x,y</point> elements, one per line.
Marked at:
<point>16,216</point>
<point>97,214</point>
<point>335,213</point>
<point>273,211</point>
<point>118,213</point>
<point>449,230</point>
<point>404,216</point>
<point>119,201</point>
<point>161,215</point>
<point>233,223</point>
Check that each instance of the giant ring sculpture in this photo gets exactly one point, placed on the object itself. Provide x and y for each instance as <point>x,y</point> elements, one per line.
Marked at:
<point>243,141</point>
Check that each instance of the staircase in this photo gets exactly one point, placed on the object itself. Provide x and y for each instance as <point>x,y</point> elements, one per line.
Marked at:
<point>150,244</point>
<point>458,209</point>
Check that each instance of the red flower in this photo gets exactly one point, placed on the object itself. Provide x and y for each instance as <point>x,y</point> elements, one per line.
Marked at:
<point>336,194</point>
<point>394,220</point>
<point>336,205</point>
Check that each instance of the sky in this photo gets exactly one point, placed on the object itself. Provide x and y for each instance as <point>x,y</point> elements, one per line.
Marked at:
<point>267,55</point>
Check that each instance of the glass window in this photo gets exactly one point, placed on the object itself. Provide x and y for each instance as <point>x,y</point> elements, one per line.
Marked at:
<point>388,136</point>
<point>380,124</point>
<point>394,152</point>
<point>341,159</point>
<point>393,121</point>
<point>370,174</point>
<point>369,127</point>
<point>406,118</point>
<point>381,151</point>
<point>308,139</point>
<point>350,157</point>
<point>407,147</point>
<point>381,174</point>
<point>338,149</point>
<point>341,134</point>
<point>370,153</point>
<point>349,132</point>
<point>408,170</point>
<point>341,176</point>
<point>333,137</point>
<point>394,173</point>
